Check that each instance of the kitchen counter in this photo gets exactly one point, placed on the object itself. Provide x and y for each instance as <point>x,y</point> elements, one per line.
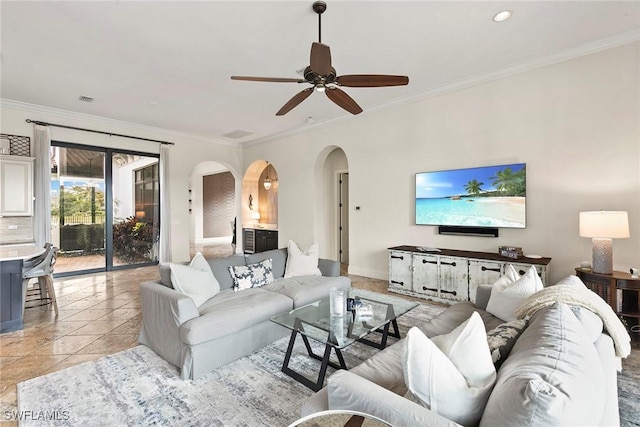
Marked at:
<point>11,259</point>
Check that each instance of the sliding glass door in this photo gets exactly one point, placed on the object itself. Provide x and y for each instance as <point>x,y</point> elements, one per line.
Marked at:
<point>104,208</point>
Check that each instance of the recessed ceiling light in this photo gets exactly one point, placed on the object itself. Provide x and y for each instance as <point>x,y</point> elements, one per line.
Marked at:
<point>502,16</point>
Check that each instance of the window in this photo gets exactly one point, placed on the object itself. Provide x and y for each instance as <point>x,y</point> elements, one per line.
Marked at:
<point>146,193</point>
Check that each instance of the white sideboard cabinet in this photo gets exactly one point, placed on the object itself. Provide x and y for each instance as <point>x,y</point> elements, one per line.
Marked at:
<point>451,275</point>
<point>16,185</point>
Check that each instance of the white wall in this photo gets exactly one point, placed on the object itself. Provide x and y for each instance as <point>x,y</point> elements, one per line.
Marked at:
<point>186,154</point>
<point>576,124</point>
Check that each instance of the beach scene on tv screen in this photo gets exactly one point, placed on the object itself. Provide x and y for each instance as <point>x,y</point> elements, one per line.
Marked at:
<point>490,196</point>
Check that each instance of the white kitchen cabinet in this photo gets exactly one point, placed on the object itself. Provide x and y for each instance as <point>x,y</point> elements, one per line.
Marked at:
<point>16,185</point>
<point>450,275</point>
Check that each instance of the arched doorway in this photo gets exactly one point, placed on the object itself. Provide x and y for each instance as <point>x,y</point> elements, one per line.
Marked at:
<point>333,183</point>
<point>259,206</point>
<point>212,208</point>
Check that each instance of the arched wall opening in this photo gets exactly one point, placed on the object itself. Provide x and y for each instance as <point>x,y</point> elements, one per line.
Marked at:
<point>332,222</point>
<point>259,205</point>
<point>214,194</point>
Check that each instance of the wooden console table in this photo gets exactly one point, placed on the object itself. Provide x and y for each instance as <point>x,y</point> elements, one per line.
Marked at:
<point>619,290</point>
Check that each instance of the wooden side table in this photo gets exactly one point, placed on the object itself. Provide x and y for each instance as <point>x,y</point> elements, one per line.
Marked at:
<point>620,290</point>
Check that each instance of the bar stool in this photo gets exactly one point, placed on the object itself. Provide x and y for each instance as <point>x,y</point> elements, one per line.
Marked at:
<point>40,267</point>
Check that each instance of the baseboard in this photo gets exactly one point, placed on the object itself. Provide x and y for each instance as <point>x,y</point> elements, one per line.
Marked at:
<point>367,272</point>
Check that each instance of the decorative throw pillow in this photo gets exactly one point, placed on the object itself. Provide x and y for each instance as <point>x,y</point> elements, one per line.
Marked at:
<point>195,280</point>
<point>502,338</point>
<point>507,296</point>
<point>451,374</point>
<point>302,263</point>
<point>252,275</point>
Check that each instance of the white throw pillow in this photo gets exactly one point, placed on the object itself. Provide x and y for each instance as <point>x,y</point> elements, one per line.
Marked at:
<point>506,297</point>
<point>195,280</point>
<point>302,263</point>
<point>451,374</point>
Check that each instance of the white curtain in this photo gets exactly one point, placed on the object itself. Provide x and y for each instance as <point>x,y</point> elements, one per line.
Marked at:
<point>164,252</point>
<point>42,175</point>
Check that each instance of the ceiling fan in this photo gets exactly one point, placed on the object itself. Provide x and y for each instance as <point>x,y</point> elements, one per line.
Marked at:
<point>322,76</point>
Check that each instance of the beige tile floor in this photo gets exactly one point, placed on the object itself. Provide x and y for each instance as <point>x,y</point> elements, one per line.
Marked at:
<point>99,314</point>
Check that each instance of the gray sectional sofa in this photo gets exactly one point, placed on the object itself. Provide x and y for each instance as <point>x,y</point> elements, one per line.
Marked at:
<point>231,324</point>
<point>561,371</point>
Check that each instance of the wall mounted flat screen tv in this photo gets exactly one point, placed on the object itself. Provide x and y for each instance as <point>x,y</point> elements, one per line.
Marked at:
<point>489,196</point>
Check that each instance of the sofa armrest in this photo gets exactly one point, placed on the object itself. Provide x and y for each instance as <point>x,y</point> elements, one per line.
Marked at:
<point>350,391</point>
<point>163,311</point>
<point>329,267</point>
<point>482,296</point>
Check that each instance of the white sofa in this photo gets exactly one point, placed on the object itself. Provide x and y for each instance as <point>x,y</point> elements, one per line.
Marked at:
<point>561,371</point>
<point>231,324</point>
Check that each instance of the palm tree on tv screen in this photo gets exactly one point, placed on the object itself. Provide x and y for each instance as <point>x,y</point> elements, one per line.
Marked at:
<point>510,183</point>
<point>474,187</point>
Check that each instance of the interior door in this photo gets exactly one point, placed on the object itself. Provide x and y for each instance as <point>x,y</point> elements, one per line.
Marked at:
<point>343,230</point>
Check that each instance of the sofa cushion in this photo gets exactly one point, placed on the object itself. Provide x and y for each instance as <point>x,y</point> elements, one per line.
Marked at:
<point>453,316</point>
<point>551,377</point>
<point>229,312</point>
<point>220,268</point>
<point>507,296</point>
<point>307,289</point>
<point>502,338</point>
<point>451,374</point>
<point>252,275</point>
<point>195,280</point>
<point>301,263</point>
<point>278,256</point>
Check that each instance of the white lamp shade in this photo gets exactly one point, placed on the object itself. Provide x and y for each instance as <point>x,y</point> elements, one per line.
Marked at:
<point>607,224</point>
<point>255,215</point>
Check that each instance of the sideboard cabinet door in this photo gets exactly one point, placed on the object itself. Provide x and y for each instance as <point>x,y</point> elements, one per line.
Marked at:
<point>426,275</point>
<point>454,278</point>
<point>400,274</point>
<point>483,273</point>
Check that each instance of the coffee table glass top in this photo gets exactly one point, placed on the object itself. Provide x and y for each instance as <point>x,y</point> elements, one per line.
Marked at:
<point>314,320</point>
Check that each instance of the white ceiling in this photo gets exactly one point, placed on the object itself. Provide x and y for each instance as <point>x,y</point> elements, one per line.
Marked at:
<point>167,64</point>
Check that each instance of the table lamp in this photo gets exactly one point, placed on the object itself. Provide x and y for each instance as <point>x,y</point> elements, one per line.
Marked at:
<point>602,227</point>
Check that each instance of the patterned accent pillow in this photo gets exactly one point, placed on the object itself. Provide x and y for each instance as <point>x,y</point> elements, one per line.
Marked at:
<point>252,275</point>
<point>502,338</point>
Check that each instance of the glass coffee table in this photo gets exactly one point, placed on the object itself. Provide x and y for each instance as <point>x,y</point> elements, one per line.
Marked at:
<point>314,321</point>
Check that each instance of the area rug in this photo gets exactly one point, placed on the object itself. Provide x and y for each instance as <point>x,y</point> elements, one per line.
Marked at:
<point>137,388</point>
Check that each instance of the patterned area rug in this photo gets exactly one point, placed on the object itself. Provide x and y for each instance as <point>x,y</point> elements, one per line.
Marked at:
<point>137,387</point>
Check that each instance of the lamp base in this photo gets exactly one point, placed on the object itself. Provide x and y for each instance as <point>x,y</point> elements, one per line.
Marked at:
<point>602,254</point>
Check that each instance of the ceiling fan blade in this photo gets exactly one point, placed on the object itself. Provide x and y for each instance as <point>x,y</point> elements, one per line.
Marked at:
<point>371,80</point>
<point>268,79</point>
<point>293,102</point>
<point>320,60</point>
<point>343,100</point>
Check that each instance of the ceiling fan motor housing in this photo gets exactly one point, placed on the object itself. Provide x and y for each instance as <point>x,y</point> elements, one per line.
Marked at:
<point>314,78</point>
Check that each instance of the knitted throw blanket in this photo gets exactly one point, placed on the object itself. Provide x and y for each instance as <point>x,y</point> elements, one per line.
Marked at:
<point>583,297</point>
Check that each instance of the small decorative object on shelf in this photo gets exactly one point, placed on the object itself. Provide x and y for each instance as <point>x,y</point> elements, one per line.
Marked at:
<point>510,251</point>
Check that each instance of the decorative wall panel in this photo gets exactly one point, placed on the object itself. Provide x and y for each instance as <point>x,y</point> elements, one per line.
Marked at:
<point>218,201</point>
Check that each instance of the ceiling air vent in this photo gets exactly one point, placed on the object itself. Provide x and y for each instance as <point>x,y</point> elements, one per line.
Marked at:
<point>237,134</point>
<point>86,99</point>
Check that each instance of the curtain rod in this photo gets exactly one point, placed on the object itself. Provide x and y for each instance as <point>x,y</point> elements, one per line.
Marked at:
<point>98,131</point>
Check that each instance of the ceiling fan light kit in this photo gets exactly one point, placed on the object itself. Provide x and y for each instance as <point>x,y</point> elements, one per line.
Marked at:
<point>323,77</point>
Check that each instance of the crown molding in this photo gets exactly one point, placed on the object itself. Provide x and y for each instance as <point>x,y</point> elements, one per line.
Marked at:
<point>473,80</point>
<point>110,124</point>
